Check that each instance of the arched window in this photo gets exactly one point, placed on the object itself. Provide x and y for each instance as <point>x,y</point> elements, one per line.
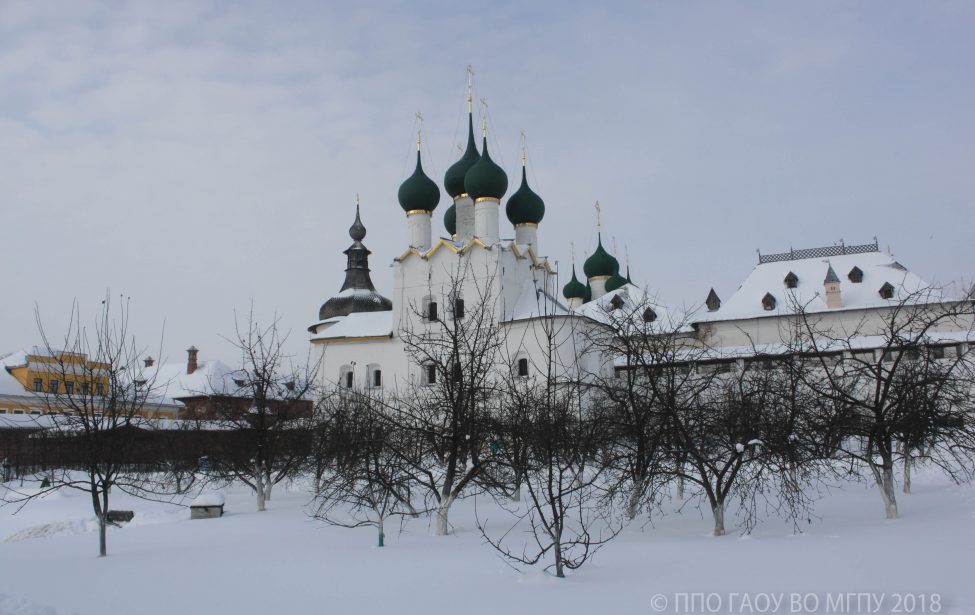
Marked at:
<point>346,377</point>
<point>375,375</point>
<point>428,373</point>
<point>523,367</point>
<point>458,308</point>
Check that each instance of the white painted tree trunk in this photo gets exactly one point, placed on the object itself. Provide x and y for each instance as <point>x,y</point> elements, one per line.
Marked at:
<point>633,504</point>
<point>680,488</point>
<point>884,476</point>
<point>443,526</point>
<point>259,487</point>
<point>718,512</point>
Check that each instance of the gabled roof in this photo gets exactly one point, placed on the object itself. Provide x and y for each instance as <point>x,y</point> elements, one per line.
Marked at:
<point>767,277</point>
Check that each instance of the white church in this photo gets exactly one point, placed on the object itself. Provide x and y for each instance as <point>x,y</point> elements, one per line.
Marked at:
<point>359,334</point>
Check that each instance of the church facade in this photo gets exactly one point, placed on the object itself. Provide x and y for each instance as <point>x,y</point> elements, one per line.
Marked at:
<point>473,277</point>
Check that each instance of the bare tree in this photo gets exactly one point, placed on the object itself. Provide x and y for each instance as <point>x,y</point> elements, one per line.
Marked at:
<point>682,411</point>
<point>567,519</point>
<point>446,410</point>
<point>265,409</point>
<point>366,484</point>
<point>97,397</point>
<point>902,388</point>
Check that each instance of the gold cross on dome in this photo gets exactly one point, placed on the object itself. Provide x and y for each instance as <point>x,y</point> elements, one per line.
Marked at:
<point>419,127</point>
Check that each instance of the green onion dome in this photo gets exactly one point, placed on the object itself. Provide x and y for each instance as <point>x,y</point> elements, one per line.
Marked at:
<point>574,289</point>
<point>453,181</point>
<point>524,206</point>
<point>614,282</point>
<point>450,220</point>
<point>601,263</point>
<point>418,192</point>
<point>486,179</point>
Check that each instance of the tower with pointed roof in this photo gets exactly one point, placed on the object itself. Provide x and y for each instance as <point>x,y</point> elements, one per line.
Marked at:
<point>357,294</point>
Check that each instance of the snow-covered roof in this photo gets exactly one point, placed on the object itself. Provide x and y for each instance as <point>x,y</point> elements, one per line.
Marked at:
<point>823,346</point>
<point>208,498</point>
<point>358,324</point>
<point>877,269</point>
<point>171,382</point>
<point>8,384</point>
<point>669,320</point>
<point>533,302</point>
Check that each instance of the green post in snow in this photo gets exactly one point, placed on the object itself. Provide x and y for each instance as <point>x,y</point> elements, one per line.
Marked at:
<point>381,537</point>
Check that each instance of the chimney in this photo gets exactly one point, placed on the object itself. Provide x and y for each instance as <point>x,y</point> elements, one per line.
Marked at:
<point>832,286</point>
<point>150,361</point>
<point>191,359</point>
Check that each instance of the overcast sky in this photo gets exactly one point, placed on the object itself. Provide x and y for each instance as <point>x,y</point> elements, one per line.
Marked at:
<point>200,156</point>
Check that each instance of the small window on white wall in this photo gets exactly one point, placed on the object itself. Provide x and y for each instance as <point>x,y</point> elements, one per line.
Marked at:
<point>522,367</point>
<point>428,373</point>
<point>428,309</point>
<point>375,375</point>
<point>345,376</point>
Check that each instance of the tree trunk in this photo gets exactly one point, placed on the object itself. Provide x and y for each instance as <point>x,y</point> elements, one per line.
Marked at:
<point>636,496</point>
<point>908,462</point>
<point>382,533</point>
<point>718,511</point>
<point>259,487</point>
<point>103,535</point>
<point>680,488</point>
<point>443,527</point>
<point>559,566</point>
<point>884,476</point>
<point>516,493</point>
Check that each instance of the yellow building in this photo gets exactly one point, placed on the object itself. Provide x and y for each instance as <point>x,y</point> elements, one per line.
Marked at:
<point>38,381</point>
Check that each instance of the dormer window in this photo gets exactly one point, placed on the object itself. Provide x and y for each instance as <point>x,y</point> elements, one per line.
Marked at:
<point>768,302</point>
<point>713,302</point>
<point>649,315</point>
<point>855,275</point>
<point>791,280</point>
<point>616,302</point>
<point>886,291</point>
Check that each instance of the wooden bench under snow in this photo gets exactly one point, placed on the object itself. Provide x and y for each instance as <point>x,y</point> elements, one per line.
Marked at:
<point>207,505</point>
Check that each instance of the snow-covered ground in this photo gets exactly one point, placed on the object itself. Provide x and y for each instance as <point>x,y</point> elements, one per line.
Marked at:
<point>282,561</point>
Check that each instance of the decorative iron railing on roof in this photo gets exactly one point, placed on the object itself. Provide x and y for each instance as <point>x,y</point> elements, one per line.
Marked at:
<point>818,252</point>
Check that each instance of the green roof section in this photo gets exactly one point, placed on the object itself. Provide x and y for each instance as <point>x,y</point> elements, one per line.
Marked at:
<point>450,220</point>
<point>615,282</point>
<point>574,289</point>
<point>524,206</point>
<point>486,179</point>
<point>418,192</point>
<point>601,263</point>
<point>453,180</point>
